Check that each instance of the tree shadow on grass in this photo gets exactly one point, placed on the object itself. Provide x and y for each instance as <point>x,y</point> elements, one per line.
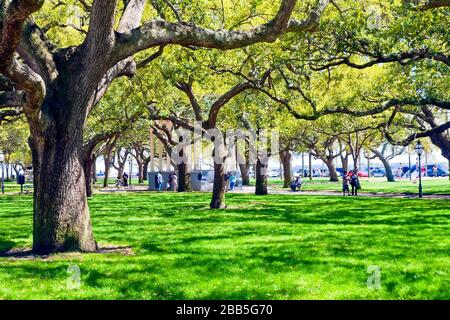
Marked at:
<point>28,254</point>
<point>6,245</point>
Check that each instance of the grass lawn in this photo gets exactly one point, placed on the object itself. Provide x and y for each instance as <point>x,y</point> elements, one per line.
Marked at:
<point>375,185</point>
<point>271,247</point>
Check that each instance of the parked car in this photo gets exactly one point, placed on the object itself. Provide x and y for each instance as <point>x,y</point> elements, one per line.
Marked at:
<point>340,172</point>
<point>273,174</point>
<point>363,174</point>
<point>324,173</point>
<point>378,173</point>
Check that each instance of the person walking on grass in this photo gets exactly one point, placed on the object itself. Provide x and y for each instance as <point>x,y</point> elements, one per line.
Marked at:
<point>345,183</point>
<point>354,182</point>
<point>125,180</point>
<point>400,172</point>
<point>232,179</point>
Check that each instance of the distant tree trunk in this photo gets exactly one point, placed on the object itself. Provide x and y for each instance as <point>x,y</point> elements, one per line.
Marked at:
<point>244,168</point>
<point>344,161</point>
<point>107,157</point>
<point>332,169</point>
<point>218,197</point>
<point>140,171</point>
<point>16,171</point>
<point>120,167</point>
<point>121,170</point>
<point>7,171</point>
<point>261,178</point>
<point>88,164</point>
<point>286,158</point>
<point>184,178</point>
<point>94,171</point>
<point>387,167</point>
<point>146,164</point>
<point>355,162</point>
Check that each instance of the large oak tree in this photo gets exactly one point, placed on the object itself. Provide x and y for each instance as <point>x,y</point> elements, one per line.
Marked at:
<point>60,86</point>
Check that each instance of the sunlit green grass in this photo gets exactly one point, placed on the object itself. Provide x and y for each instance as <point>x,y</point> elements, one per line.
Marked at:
<point>376,185</point>
<point>271,247</point>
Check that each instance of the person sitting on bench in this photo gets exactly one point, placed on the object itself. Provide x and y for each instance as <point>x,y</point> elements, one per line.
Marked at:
<point>296,184</point>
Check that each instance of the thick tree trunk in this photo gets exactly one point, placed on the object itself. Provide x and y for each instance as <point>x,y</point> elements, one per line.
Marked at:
<point>331,168</point>
<point>218,197</point>
<point>387,167</point>
<point>184,178</point>
<point>61,214</point>
<point>443,143</point>
<point>261,178</point>
<point>286,157</point>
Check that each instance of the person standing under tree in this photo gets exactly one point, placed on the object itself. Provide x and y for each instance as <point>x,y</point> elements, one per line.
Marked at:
<point>345,182</point>
<point>400,172</point>
<point>174,182</point>
<point>354,182</point>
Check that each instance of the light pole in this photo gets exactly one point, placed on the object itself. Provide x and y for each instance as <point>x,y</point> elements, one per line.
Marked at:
<point>303,164</point>
<point>310,166</point>
<point>2,159</point>
<point>409,164</point>
<point>367,155</point>
<point>419,151</point>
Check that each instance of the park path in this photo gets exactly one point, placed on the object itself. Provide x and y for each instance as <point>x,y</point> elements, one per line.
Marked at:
<point>339,194</point>
<point>271,190</point>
